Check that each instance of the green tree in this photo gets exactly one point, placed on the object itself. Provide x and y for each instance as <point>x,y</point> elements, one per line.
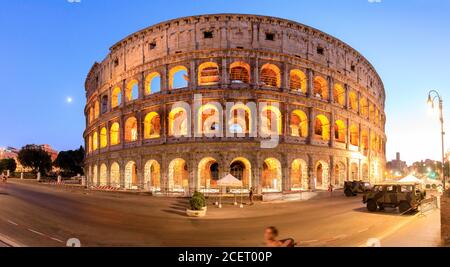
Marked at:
<point>8,164</point>
<point>71,161</point>
<point>34,157</point>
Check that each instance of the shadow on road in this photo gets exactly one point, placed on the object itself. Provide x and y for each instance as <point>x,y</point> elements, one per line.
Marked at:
<point>385,212</point>
<point>178,208</point>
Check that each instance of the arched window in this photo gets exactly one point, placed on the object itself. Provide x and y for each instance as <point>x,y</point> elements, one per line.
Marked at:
<point>339,94</point>
<point>131,133</point>
<point>299,124</point>
<point>340,131</point>
<point>271,121</point>
<point>322,127</point>
<point>208,74</point>
<point>131,179</point>
<point>209,119</point>
<point>115,134</point>
<point>152,125</point>
<point>270,76</point>
<point>104,104</point>
<point>178,122</point>
<point>298,81</point>
<point>364,107</point>
<point>178,175</point>
<point>354,135</point>
<point>152,83</point>
<point>320,88</point>
<point>115,175</point>
<point>91,115</point>
<point>95,141</point>
<point>103,137</point>
<point>178,77</point>
<point>364,142</point>
<point>90,144</point>
<point>116,98</point>
<point>96,110</point>
<point>353,98</point>
<point>240,119</point>
<point>240,72</point>
<point>132,91</point>
<point>271,175</point>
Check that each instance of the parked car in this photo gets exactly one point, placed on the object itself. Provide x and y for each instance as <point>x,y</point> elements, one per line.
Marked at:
<point>353,188</point>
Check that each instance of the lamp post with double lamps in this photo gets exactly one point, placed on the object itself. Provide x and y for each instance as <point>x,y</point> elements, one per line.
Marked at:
<point>433,95</point>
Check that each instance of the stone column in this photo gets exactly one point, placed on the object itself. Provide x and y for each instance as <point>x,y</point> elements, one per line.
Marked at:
<point>333,130</point>
<point>193,82</point>
<point>311,172</point>
<point>330,89</point>
<point>347,98</point>
<point>285,77</point>
<point>348,122</point>
<point>225,74</point>
<point>311,121</point>
<point>286,177</point>
<point>165,79</point>
<point>256,73</point>
<point>310,83</point>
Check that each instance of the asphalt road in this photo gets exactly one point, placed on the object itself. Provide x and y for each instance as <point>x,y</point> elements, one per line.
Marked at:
<point>45,216</point>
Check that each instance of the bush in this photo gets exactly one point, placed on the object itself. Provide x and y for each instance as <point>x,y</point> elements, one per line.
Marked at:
<point>198,201</point>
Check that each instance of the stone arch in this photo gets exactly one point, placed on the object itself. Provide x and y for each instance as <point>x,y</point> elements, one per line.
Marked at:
<point>240,72</point>
<point>364,141</point>
<point>178,77</point>
<point>298,81</point>
<point>354,171</point>
<point>270,113</point>
<point>131,130</point>
<point>322,127</point>
<point>271,177</point>
<point>339,94</point>
<point>153,83</point>
<point>364,107</point>
<point>114,175</point>
<point>103,137</point>
<point>353,99</point>
<point>91,115</point>
<point>299,123</point>
<point>299,175</point>
<point>208,173</point>
<point>208,74</point>
<point>241,168</point>
<point>132,90</point>
<point>365,172</point>
<point>116,97</point>
<point>152,125</point>
<point>340,131</point>
<point>95,141</point>
<point>104,105</point>
<point>103,175</point>
<point>178,176</point>
<point>152,176</point>
<point>322,175</point>
<point>115,134</point>
<point>320,88</point>
<point>209,119</point>
<point>354,135</point>
<point>131,177</point>
<point>240,119</point>
<point>89,144</point>
<point>270,75</point>
<point>339,175</point>
<point>96,109</point>
<point>95,179</point>
<point>178,122</point>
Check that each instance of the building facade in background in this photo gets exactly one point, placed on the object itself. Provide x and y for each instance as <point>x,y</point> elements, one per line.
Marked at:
<point>179,105</point>
<point>397,168</point>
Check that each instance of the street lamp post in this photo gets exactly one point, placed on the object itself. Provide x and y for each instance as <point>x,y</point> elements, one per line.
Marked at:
<point>432,96</point>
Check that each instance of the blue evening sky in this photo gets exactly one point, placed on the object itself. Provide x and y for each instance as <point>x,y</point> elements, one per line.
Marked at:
<point>48,46</point>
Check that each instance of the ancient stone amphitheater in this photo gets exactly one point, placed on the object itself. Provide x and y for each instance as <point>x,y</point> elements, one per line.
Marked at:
<point>279,105</point>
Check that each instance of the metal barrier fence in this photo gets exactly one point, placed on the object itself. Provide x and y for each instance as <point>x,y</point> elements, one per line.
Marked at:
<point>429,204</point>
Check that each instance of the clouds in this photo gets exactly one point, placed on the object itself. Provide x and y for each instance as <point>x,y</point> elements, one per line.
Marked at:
<point>74,1</point>
<point>370,1</point>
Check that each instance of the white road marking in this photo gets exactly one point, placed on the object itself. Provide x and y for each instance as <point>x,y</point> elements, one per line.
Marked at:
<point>36,232</point>
<point>13,223</point>
<point>57,240</point>
<point>363,230</point>
<point>340,237</point>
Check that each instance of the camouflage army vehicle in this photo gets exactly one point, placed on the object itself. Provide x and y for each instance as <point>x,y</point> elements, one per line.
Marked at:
<point>404,196</point>
<point>354,188</point>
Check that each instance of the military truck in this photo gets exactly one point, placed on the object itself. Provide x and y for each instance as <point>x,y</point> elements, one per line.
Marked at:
<point>353,188</point>
<point>404,196</point>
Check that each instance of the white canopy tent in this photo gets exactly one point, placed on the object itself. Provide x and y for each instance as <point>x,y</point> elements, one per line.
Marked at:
<point>411,179</point>
<point>229,181</point>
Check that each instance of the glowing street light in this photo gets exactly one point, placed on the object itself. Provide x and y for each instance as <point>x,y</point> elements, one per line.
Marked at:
<point>433,95</point>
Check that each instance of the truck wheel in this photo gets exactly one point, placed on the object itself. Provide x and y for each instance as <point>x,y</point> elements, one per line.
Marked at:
<point>348,193</point>
<point>372,205</point>
<point>404,207</point>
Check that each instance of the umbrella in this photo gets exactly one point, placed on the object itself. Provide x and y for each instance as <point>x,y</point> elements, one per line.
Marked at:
<point>229,181</point>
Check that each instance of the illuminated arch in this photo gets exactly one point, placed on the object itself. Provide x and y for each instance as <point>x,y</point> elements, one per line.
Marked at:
<point>115,134</point>
<point>354,135</point>
<point>91,115</point>
<point>208,74</point>
<point>365,172</point>
<point>116,97</point>
<point>339,94</point>
<point>95,180</point>
<point>152,176</point>
<point>322,127</point>
<point>103,175</point>
<point>299,175</point>
<point>364,141</point>
<point>241,168</point>
<point>270,75</point>
<point>298,81</point>
<point>208,119</point>
<point>240,119</point>
<point>178,77</point>
<point>96,110</point>
<point>178,176</point>
<point>322,174</point>
<point>152,125</point>
<point>240,72</point>
<point>152,83</point>
<point>132,90</point>
<point>353,99</point>
<point>208,173</point>
<point>90,143</point>
<point>131,179</point>
<point>340,131</point>
<point>320,88</point>
<point>299,124</point>
<point>178,122</point>
<point>339,176</point>
<point>364,107</point>
<point>371,112</point>
<point>95,141</point>
<point>267,120</point>
<point>115,175</point>
<point>131,130</point>
<point>271,176</point>
<point>354,170</point>
<point>103,137</point>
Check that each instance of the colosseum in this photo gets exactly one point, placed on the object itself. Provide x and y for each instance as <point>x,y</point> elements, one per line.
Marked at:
<point>177,106</point>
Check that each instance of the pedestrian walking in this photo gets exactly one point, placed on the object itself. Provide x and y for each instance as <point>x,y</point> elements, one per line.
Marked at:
<point>250,195</point>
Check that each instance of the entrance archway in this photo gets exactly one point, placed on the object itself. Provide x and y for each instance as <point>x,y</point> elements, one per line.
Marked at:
<point>131,179</point>
<point>152,176</point>
<point>322,175</point>
<point>339,175</point>
<point>208,174</point>
<point>354,172</point>
<point>103,175</point>
<point>178,176</point>
<point>115,175</point>
<point>271,176</point>
<point>242,170</point>
<point>299,175</point>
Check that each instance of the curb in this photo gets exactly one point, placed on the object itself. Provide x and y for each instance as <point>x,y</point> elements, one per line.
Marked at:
<point>9,242</point>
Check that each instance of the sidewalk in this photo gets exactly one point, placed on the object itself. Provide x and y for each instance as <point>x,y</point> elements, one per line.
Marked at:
<point>424,231</point>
